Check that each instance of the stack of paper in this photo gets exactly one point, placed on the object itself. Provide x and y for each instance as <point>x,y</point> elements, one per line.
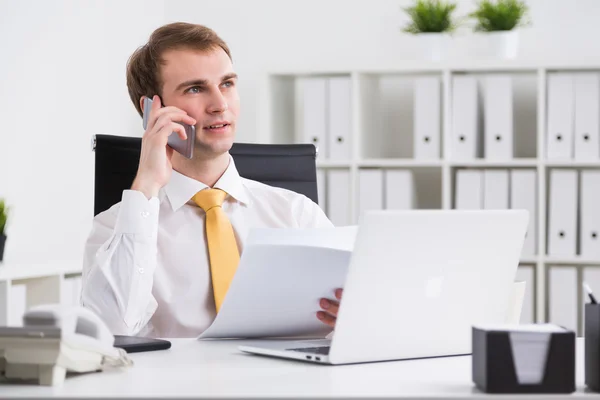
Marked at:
<point>282,275</point>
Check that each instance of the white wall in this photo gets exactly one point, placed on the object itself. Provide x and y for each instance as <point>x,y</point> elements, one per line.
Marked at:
<point>62,79</point>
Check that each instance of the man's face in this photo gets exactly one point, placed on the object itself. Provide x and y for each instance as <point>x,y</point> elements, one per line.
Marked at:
<point>204,85</point>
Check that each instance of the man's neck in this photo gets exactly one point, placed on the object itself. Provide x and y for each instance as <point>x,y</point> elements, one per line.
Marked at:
<point>205,170</point>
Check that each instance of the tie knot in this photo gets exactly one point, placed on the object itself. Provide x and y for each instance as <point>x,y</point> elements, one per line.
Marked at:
<point>209,198</point>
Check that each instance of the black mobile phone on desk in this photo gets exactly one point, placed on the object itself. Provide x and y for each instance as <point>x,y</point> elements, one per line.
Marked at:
<point>136,344</point>
<point>183,147</point>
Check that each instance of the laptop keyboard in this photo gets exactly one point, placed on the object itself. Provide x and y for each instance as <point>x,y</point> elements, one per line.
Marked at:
<point>321,350</point>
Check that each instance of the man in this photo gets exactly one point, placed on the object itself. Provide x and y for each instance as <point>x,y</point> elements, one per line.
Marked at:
<point>160,262</point>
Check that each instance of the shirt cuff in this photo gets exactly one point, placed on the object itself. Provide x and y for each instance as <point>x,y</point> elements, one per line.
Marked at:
<point>137,214</point>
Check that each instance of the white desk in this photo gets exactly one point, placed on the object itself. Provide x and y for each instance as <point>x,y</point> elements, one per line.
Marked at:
<point>213,369</point>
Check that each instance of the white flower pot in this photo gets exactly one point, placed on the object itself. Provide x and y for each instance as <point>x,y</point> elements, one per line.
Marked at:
<point>501,44</point>
<point>433,46</point>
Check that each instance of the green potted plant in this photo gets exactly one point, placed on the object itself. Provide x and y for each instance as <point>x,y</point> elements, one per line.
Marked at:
<point>3,218</point>
<point>432,22</point>
<point>499,20</point>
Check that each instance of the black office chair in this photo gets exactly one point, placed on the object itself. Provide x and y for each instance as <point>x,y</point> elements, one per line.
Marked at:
<point>289,166</point>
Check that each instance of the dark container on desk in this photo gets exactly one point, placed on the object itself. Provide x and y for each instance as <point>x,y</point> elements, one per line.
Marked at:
<point>494,367</point>
<point>592,346</point>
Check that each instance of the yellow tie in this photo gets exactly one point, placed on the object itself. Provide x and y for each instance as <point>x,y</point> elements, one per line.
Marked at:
<point>222,247</point>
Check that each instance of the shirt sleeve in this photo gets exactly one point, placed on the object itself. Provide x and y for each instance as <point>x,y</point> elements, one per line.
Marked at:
<point>312,216</point>
<point>119,261</point>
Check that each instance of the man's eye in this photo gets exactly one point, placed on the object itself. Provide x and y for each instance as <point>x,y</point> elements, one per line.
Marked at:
<point>228,83</point>
<point>193,89</point>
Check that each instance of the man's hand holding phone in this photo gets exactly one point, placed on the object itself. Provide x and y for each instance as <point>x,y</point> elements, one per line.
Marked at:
<point>155,166</point>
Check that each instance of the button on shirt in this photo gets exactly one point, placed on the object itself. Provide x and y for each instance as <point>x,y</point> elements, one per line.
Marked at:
<point>146,267</point>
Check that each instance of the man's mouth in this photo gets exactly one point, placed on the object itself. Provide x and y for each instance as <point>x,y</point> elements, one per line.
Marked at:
<point>217,127</point>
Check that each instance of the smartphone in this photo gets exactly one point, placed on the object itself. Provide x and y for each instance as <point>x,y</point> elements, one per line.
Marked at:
<point>183,147</point>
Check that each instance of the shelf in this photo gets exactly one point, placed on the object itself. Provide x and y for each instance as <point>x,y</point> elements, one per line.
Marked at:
<point>18,271</point>
<point>528,260</point>
<point>514,163</point>
<point>333,164</point>
<point>398,162</point>
<point>571,164</point>
<point>474,65</point>
<point>570,261</point>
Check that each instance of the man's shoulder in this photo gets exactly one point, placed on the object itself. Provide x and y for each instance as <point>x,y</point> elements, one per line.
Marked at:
<point>263,191</point>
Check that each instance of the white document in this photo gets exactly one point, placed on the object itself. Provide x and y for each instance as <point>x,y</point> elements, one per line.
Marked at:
<point>338,197</point>
<point>313,124</point>
<point>498,117</point>
<point>523,197</point>
<point>465,119</point>
<point>562,230</point>
<point>560,116</point>
<point>563,296</point>
<point>370,190</point>
<point>587,116</point>
<point>590,214</point>
<point>340,118</point>
<point>469,190</point>
<point>495,189</point>
<point>322,189</point>
<point>427,118</point>
<point>276,292</point>
<point>525,274</point>
<point>400,191</point>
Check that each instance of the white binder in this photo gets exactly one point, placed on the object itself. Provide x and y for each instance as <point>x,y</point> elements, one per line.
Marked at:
<point>526,274</point>
<point>313,125</point>
<point>560,116</point>
<point>590,214</point>
<point>427,118</point>
<point>495,189</point>
<point>338,197</point>
<point>322,189</point>
<point>340,118</point>
<point>523,197</point>
<point>469,190</point>
<point>563,213</point>
<point>465,119</point>
<point>18,304</point>
<point>563,296</point>
<point>498,117</point>
<point>370,190</point>
<point>587,118</point>
<point>400,191</point>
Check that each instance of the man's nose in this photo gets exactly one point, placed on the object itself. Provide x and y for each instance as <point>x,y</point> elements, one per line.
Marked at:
<point>217,103</point>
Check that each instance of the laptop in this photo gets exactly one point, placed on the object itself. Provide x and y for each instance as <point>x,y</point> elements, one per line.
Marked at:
<point>417,282</point>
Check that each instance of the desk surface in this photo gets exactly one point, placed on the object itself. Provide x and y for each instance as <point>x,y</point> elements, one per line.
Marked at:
<point>218,369</point>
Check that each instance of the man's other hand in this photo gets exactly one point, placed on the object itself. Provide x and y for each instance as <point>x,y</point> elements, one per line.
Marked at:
<point>330,307</point>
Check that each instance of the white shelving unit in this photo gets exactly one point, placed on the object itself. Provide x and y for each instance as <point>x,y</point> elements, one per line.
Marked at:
<point>24,285</point>
<point>382,138</point>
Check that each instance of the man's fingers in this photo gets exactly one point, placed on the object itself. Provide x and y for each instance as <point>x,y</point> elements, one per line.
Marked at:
<point>338,293</point>
<point>326,318</point>
<point>330,306</point>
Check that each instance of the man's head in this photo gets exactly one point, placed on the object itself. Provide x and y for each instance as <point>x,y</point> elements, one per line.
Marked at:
<point>190,68</point>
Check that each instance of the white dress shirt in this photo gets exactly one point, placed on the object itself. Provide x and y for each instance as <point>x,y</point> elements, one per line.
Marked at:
<point>146,267</point>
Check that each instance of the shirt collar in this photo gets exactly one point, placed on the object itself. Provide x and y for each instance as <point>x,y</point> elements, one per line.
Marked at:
<point>180,189</point>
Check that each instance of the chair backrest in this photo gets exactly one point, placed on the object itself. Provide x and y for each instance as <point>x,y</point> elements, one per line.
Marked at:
<point>289,166</point>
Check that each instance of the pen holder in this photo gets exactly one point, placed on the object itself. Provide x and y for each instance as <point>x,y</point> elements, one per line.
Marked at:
<point>592,346</point>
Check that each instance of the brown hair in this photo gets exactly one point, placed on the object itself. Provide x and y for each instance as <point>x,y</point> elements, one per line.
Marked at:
<point>143,67</point>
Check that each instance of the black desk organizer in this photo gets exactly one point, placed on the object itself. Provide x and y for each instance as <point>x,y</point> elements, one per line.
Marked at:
<point>495,370</point>
<point>592,346</point>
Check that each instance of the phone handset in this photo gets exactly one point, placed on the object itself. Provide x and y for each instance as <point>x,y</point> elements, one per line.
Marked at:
<point>183,147</point>
<point>80,327</point>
